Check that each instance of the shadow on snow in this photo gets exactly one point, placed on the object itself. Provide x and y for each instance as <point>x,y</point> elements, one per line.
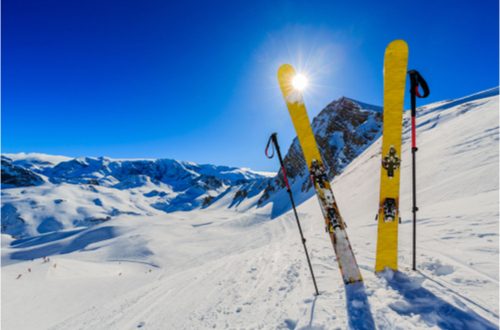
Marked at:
<point>358,307</point>
<point>433,310</point>
<point>62,246</point>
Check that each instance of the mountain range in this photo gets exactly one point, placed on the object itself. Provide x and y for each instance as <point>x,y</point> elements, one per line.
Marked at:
<point>77,186</point>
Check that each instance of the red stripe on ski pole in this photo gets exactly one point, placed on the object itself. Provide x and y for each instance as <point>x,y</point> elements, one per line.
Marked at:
<point>285,178</point>
<point>413,133</point>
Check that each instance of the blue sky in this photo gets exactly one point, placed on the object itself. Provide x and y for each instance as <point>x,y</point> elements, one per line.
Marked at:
<point>195,80</point>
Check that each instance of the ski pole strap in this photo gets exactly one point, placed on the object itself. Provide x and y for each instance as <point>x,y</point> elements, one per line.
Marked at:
<point>417,81</point>
<point>269,145</point>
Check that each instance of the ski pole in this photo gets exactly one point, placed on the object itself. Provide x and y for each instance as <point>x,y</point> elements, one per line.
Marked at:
<point>416,81</point>
<point>274,140</point>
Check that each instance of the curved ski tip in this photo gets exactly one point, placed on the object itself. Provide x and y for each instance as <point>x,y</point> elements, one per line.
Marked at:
<point>398,44</point>
<point>285,70</point>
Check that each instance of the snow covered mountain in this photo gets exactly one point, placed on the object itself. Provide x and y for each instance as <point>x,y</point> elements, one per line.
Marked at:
<point>17,176</point>
<point>243,267</point>
<point>78,187</point>
<point>86,191</point>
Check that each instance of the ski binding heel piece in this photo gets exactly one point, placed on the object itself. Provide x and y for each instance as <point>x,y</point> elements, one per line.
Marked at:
<point>390,209</point>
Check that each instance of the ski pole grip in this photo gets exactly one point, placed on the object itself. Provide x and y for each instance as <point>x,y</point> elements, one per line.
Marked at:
<point>274,138</point>
<point>417,81</point>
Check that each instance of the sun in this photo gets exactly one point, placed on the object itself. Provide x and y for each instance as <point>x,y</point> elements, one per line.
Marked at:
<point>300,82</point>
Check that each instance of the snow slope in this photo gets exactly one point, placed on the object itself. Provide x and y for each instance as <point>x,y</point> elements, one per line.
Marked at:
<point>224,268</point>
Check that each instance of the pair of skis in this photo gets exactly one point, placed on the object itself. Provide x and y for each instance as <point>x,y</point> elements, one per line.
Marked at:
<point>395,69</point>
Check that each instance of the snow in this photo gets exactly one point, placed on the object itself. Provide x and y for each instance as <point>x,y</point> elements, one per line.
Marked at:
<point>86,190</point>
<point>221,267</point>
<point>267,174</point>
<point>33,157</point>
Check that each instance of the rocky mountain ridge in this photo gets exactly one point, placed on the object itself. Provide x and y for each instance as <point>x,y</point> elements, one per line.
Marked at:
<point>343,130</point>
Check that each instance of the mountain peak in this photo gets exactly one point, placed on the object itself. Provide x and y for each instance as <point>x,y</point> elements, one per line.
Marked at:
<point>347,101</point>
<point>343,129</point>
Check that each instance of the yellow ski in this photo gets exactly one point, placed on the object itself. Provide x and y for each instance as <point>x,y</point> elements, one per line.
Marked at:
<point>335,225</point>
<point>395,67</point>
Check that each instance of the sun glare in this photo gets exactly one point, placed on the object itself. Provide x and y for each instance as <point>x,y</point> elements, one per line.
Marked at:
<point>299,82</point>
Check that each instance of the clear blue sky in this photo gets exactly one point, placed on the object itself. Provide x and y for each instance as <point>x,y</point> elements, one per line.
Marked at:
<point>195,80</point>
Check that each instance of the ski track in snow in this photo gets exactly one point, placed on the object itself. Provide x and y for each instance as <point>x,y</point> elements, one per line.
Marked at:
<point>218,268</point>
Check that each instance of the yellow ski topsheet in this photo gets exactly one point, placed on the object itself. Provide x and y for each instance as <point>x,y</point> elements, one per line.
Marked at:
<point>298,112</point>
<point>395,67</point>
<point>300,119</point>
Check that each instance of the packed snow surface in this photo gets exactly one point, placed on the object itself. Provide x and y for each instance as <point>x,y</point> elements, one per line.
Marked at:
<point>221,267</point>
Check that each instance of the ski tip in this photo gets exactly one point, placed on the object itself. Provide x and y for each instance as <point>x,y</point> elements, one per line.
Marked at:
<point>285,68</point>
<point>285,73</point>
<point>398,45</point>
